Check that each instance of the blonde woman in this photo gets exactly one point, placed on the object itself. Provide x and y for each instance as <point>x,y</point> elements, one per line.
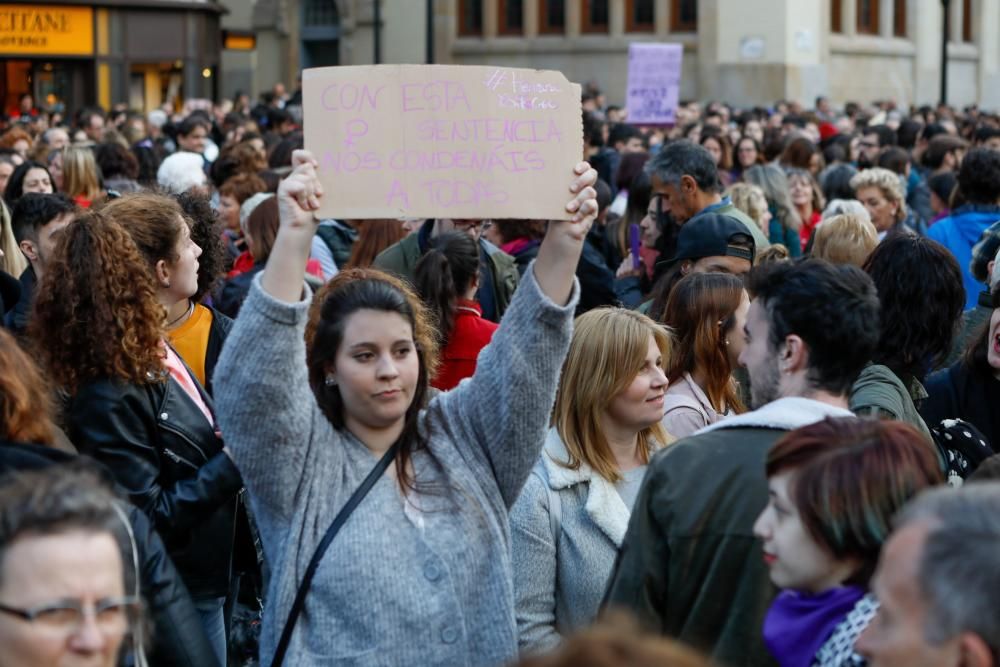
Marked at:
<point>751,200</point>
<point>81,176</point>
<point>571,516</point>
<point>881,192</point>
<point>845,239</point>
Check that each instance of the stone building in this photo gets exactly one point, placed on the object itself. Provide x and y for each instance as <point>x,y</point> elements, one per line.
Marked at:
<point>743,51</point>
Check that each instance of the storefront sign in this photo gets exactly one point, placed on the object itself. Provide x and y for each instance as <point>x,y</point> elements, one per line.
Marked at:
<point>46,30</point>
<point>434,141</point>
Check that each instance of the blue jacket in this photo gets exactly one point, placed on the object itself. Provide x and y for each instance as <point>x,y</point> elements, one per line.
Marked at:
<point>959,232</point>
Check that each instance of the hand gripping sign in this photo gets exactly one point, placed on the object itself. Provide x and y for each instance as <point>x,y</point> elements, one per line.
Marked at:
<point>437,141</point>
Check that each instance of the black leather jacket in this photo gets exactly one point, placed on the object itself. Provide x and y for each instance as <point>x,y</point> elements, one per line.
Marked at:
<point>178,636</point>
<point>168,458</point>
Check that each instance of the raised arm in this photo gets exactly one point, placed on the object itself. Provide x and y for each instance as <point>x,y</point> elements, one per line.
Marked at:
<point>265,406</point>
<point>298,199</point>
<point>503,411</point>
<point>555,267</point>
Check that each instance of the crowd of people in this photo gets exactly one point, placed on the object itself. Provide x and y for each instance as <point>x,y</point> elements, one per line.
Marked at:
<point>737,409</point>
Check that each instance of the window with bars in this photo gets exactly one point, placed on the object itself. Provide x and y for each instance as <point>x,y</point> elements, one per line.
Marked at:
<point>868,17</point>
<point>684,16</point>
<point>640,16</point>
<point>551,17</point>
<point>594,17</point>
<point>511,19</point>
<point>470,18</point>
<point>320,13</point>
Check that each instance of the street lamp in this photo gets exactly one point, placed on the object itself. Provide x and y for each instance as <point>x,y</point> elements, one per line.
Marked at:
<point>945,31</point>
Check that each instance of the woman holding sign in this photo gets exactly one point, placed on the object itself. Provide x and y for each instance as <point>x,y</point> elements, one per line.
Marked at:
<point>420,572</point>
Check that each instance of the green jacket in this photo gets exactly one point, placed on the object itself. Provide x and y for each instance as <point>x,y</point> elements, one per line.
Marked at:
<point>879,392</point>
<point>401,259</point>
<point>690,566</point>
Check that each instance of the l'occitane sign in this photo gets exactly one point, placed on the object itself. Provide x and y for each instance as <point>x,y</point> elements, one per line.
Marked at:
<point>46,30</point>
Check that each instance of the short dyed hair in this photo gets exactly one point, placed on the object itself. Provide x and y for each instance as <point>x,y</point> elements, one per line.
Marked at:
<point>607,351</point>
<point>849,478</point>
<point>845,239</point>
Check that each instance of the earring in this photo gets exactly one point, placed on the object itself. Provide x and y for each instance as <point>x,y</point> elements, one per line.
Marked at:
<point>331,381</point>
<point>166,284</point>
<point>727,342</point>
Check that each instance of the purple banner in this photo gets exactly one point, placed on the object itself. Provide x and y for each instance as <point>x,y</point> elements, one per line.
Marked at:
<point>654,81</point>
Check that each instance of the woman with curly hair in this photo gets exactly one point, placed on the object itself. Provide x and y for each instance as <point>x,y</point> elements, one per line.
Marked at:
<point>114,286</point>
<point>882,193</point>
<point>920,291</point>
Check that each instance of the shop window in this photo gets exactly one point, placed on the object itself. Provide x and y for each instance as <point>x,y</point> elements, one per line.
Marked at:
<point>684,16</point>
<point>470,18</point>
<point>868,17</point>
<point>836,16</point>
<point>595,16</point>
<point>640,16</point>
<point>899,18</point>
<point>511,19</point>
<point>551,17</point>
<point>966,20</point>
<point>320,12</point>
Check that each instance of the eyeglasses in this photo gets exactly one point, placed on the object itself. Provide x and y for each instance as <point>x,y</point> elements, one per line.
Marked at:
<point>66,617</point>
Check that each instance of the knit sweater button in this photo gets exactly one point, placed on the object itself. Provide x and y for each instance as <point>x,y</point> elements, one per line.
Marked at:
<point>449,635</point>
<point>432,572</point>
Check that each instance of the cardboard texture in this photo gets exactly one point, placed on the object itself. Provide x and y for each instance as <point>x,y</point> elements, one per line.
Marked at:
<point>654,83</point>
<point>442,141</point>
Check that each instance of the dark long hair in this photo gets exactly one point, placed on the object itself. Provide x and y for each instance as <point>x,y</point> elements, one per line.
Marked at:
<point>921,296</point>
<point>15,186</point>
<point>701,310</point>
<point>352,290</point>
<point>443,274</point>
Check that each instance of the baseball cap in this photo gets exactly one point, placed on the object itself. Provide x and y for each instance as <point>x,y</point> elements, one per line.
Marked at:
<point>713,235</point>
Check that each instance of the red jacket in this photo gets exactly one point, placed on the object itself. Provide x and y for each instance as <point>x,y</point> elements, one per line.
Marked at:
<point>470,334</point>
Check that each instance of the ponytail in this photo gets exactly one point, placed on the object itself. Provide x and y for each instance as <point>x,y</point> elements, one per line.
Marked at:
<point>444,274</point>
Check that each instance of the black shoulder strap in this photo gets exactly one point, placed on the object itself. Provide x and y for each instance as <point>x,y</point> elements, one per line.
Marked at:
<point>331,532</point>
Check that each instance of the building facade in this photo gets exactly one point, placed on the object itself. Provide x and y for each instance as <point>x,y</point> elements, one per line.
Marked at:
<point>143,52</point>
<point>743,51</point>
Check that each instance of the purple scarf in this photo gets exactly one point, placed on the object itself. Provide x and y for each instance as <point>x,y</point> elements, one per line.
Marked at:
<point>798,624</point>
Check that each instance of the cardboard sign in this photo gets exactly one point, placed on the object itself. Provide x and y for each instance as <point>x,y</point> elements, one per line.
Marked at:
<point>654,83</point>
<point>436,141</point>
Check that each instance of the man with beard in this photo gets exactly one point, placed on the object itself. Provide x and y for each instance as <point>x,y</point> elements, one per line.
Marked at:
<point>689,566</point>
<point>873,140</point>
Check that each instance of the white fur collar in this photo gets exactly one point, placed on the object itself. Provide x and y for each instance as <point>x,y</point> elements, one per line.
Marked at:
<point>785,413</point>
<point>604,506</point>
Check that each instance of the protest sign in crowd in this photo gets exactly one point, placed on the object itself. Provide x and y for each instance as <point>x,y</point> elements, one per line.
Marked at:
<point>458,366</point>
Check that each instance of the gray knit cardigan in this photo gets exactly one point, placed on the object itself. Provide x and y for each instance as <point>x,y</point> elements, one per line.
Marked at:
<point>425,582</point>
